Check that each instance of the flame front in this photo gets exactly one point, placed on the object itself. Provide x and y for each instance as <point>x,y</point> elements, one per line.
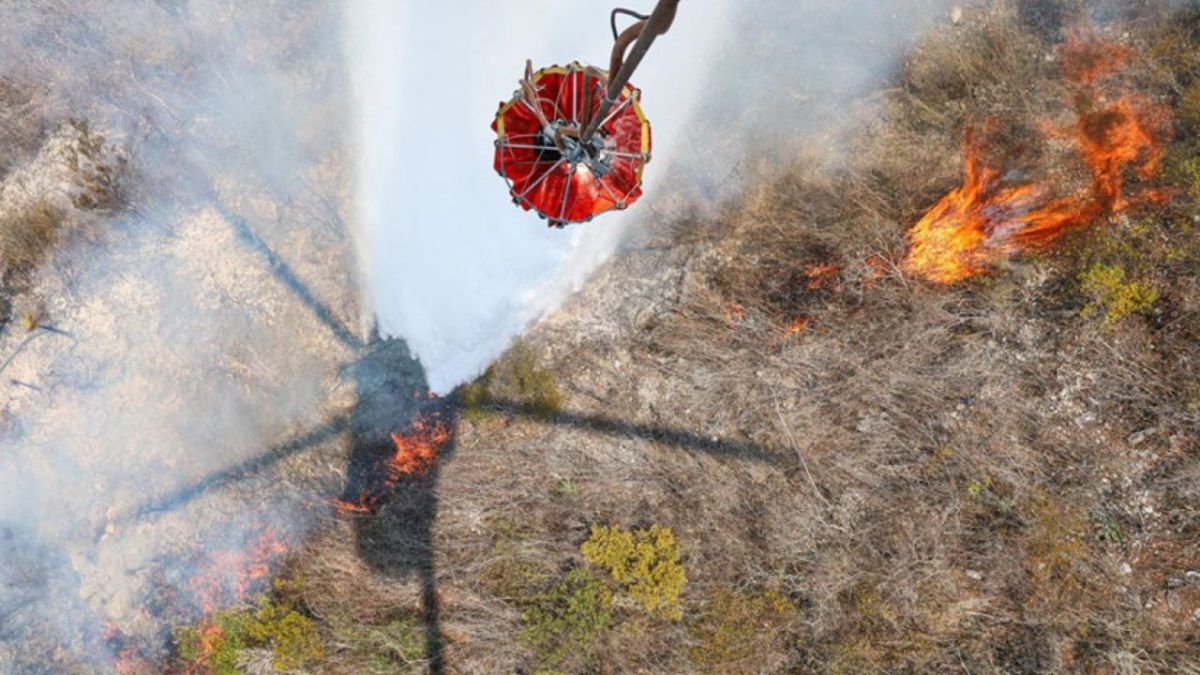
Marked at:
<point>416,452</point>
<point>231,576</point>
<point>988,219</point>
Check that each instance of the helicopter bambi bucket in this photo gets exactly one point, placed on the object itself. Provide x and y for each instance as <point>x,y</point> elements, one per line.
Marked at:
<point>573,141</point>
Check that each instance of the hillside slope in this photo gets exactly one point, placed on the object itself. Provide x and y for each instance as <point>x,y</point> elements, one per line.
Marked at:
<point>862,471</point>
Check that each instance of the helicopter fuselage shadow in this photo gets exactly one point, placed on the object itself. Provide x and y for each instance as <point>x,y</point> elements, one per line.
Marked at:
<point>395,536</point>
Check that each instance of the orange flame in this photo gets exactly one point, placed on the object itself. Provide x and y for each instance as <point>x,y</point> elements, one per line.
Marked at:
<point>987,219</point>
<point>877,267</point>
<point>416,452</point>
<point>129,662</point>
<point>128,658</point>
<point>1088,56</point>
<point>230,576</point>
<point>797,326</point>
<point>211,637</point>
<point>365,506</point>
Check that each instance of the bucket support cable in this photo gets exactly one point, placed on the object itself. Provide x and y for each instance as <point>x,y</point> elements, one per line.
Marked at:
<point>622,66</point>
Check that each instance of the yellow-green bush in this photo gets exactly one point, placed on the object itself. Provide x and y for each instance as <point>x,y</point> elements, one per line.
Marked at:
<point>215,643</point>
<point>516,380</point>
<point>646,564</point>
<point>1182,167</point>
<point>736,626</point>
<point>290,635</point>
<point>566,621</point>
<point>1112,294</point>
<point>1188,109</point>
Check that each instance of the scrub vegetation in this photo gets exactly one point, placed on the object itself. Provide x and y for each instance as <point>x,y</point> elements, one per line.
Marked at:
<point>515,381</point>
<point>225,642</point>
<point>56,177</point>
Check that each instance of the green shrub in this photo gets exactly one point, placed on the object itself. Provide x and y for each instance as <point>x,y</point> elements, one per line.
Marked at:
<point>512,574</point>
<point>291,635</point>
<point>645,562</point>
<point>516,380</point>
<point>1112,294</point>
<point>1188,110</point>
<point>214,645</point>
<point>475,397</point>
<point>566,621</point>
<point>1182,167</point>
<point>736,626</point>
<point>1056,548</point>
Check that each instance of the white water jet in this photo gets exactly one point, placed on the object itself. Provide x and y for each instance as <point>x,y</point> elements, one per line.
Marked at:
<point>449,263</point>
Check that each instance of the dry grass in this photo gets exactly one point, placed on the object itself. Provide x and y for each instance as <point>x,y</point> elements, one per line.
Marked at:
<point>55,177</point>
<point>890,477</point>
<point>26,237</point>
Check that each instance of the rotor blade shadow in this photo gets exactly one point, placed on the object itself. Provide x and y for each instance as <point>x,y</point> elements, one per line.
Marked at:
<point>237,472</point>
<point>688,440</point>
<point>284,273</point>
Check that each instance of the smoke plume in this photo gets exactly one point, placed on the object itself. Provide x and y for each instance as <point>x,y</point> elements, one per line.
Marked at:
<point>177,335</point>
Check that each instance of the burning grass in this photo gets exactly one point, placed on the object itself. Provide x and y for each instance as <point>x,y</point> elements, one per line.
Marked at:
<point>416,451</point>
<point>220,642</point>
<point>993,217</point>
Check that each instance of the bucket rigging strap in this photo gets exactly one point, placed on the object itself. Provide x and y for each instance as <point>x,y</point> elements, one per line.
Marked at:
<point>629,48</point>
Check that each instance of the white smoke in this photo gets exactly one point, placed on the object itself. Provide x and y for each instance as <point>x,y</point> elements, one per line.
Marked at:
<point>174,350</point>
<point>448,262</point>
